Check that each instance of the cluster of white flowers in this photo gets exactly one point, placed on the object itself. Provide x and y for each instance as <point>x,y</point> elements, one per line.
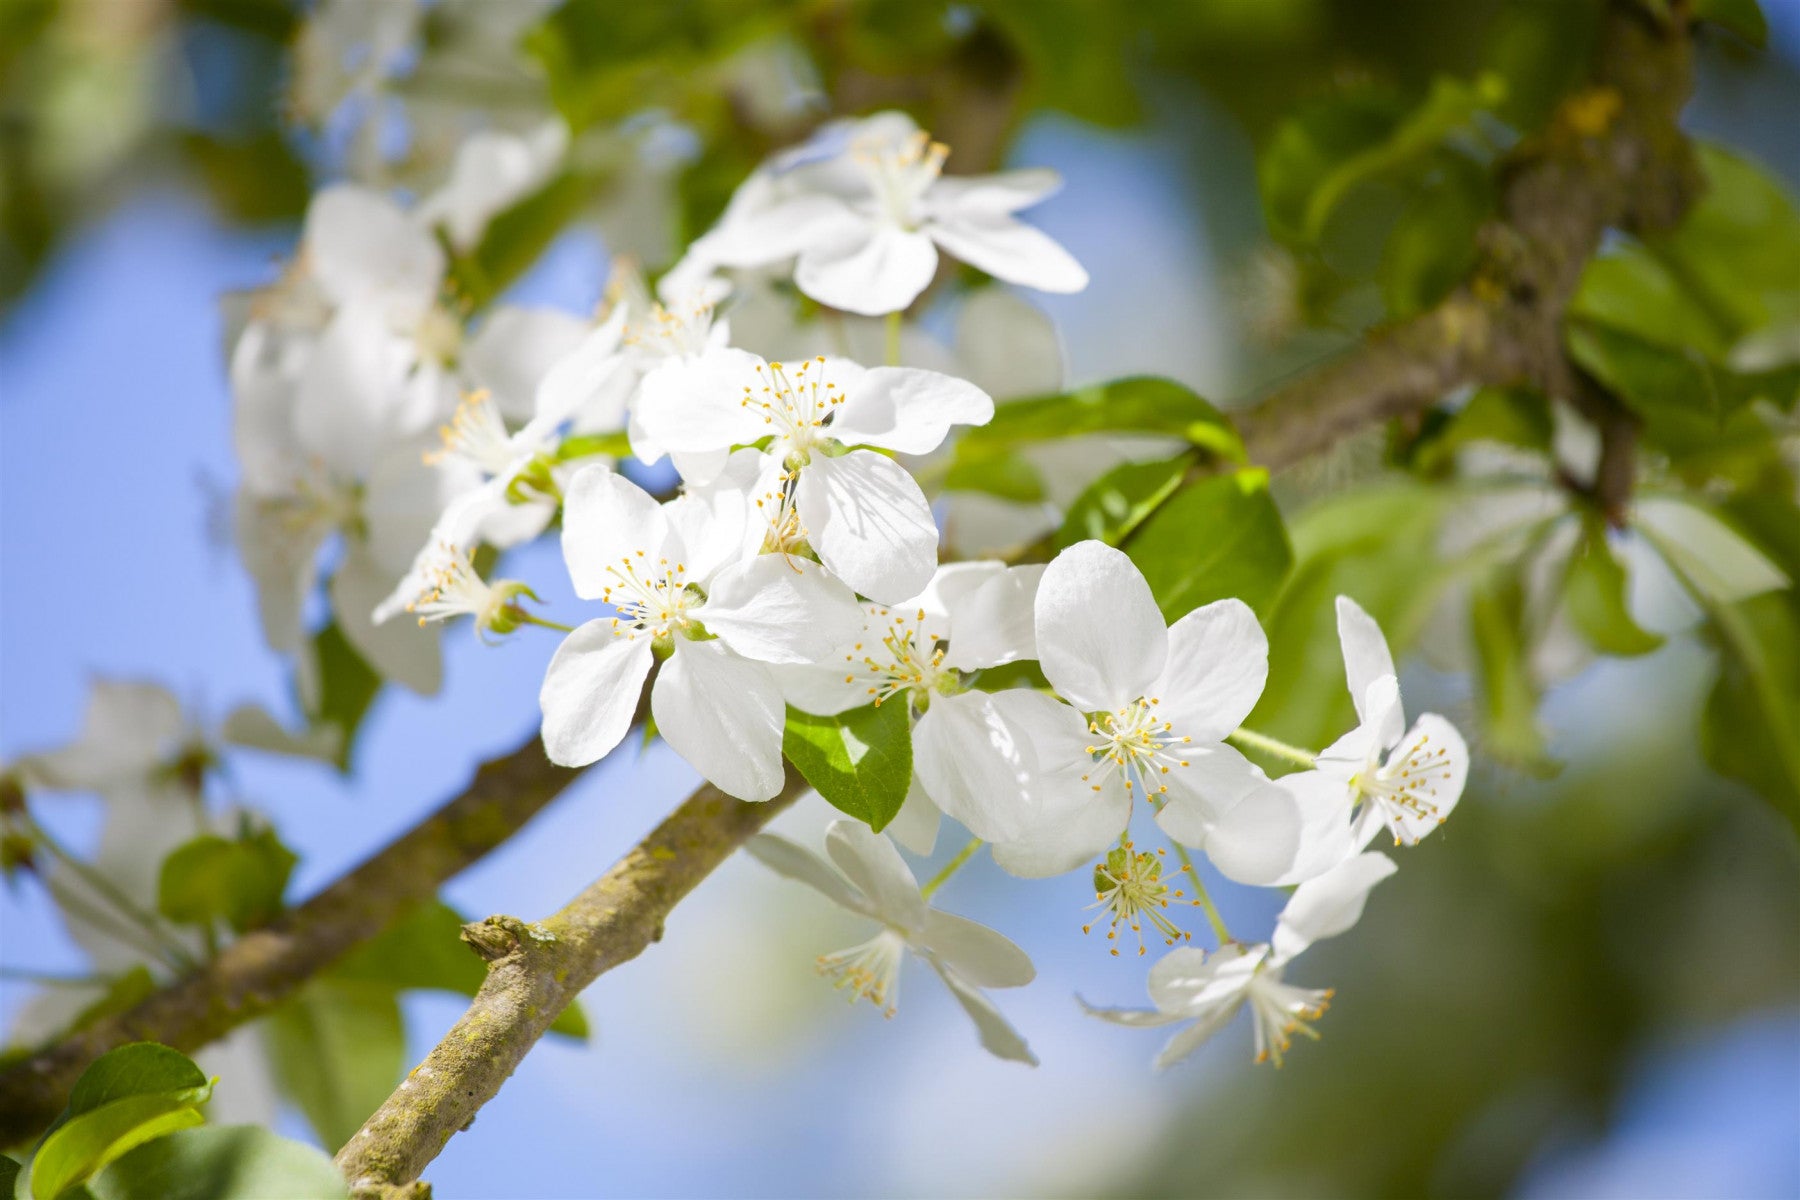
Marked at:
<point>796,564</point>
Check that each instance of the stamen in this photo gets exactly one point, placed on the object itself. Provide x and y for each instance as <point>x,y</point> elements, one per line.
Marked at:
<point>870,971</point>
<point>1130,887</point>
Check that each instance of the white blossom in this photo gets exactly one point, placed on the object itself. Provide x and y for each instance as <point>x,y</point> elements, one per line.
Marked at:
<point>873,881</point>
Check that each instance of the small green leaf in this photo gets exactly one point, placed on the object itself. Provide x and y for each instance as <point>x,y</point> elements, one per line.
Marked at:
<point>1215,538</point>
<point>135,1069</point>
<point>240,881</point>
<point>860,761</point>
<point>1750,728</point>
<point>1008,476</point>
<point>1507,693</point>
<point>1432,246</point>
<point>1115,504</point>
<point>424,950</point>
<point>1743,17</point>
<point>346,686</point>
<point>338,1049</point>
<point>221,1162</point>
<point>1594,595</point>
<point>1137,405</point>
<point>85,1145</point>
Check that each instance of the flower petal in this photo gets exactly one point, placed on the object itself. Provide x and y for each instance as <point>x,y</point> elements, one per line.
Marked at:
<point>1189,982</point>
<point>607,520</point>
<point>399,650</point>
<point>872,270</point>
<point>870,861</point>
<point>1100,637</point>
<point>588,383</point>
<point>780,610</point>
<point>755,236</point>
<point>1009,250</point>
<point>1328,905</point>
<point>1221,804</point>
<point>1366,656</point>
<point>724,714</point>
<point>995,623</point>
<point>698,404</point>
<point>357,242</point>
<point>973,196</point>
<point>909,410</point>
<point>1218,663</point>
<point>590,692</point>
<point>971,761</point>
<point>869,522</point>
<point>998,1037</point>
<point>985,957</point>
<point>1438,782</point>
<point>1326,834</point>
<point>515,350</point>
<point>915,826</point>
<point>798,863</point>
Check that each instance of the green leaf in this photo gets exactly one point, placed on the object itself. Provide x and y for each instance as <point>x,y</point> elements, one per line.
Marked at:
<point>1328,149</point>
<point>1141,404</point>
<point>860,761</point>
<point>1006,475</point>
<point>1594,596</point>
<point>425,950</point>
<point>346,686</point>
<point>240,881</point>
<point>1432,246</point>
<point>9,1175</point>
<point>1739,246</point>
<point>1114,505</point>
<point>1633,291</point>
<point>1750,728</point>
<point>338,1049</point>
<point>1507,694</point>
<point>1509,416</point>
<point>221,1162</point>
<point>85,1144</point>
<point>1215,538</point>
<point>136,1069</point>
<point>1743,17</point>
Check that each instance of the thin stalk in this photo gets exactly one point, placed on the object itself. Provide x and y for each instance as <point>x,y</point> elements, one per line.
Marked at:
<point>161,940</point>
<point>1251,740</point>
<point>1202,897</point>
<point>951,868</point>
<point>533,619</point>
<point>893,339</point>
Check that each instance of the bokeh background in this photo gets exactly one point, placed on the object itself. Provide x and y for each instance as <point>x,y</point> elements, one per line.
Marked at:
<point>1585,985</point>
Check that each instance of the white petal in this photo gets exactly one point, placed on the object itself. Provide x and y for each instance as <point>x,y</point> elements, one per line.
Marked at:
<point>990,195</point>
<point>282,558</point>
<point>1188,1040</point>
<point>1326,835</point>
<point>870,861</point>
<point>915,826</point>
<point>1327,906</point>
<point>697,404</point>
<point>1071,824</point>
<point>996,623</point>
<point>1218,663</point>
<point>357,394</point>
<point>399,650</point>
<point>717,521</point>
<point>1132,1018</point>
<point>798,863</point>
<point>607,519</point>
<point>1366,656</point>
<point>998,1037</point>
<point>1100,637</point>
<point>869,522</point>
<point>1221,804</point>
<point>590,693</point>
<point>1439,783</point>
<point>824,690</point>
<point>404,498</point>
<point>129,730</point>
<point>724,715</point>
<point>973,764</point>
<point>872,270</point>
<point>780,231</point>
<point>359,242</point>
<point>1010,250</point>
<point>1189,982</point>
<point>514,352</point>
<point>985,957</point>
<point>909,410</point>
<point>252,726</point>
<point>781,610</point>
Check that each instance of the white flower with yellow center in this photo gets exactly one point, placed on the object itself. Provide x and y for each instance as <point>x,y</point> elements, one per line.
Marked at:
<point>863,514</point>
<point>1148,710</point>
<point>1381,774</point>
<point>875,882</point>
<point>864,209</point>
<point>1188,984</point>
<point>921,653</point>
<point>679,587</point>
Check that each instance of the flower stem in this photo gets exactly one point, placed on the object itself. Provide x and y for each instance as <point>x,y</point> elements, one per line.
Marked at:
<point>51,978</point>
<point>1202,897</point>
<point>893,339</point>
<point>1250,740</point>
<point>534,619</point>
<point>148,923</point>
<point>951,868</point>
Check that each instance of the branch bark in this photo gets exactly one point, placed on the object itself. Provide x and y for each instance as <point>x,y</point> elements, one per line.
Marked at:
<point>534,971</point>
<point>1613,156</point>
<point>264,967</point>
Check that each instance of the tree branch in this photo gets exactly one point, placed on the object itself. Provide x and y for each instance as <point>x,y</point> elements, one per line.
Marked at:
<point>534,972</point>
<point>264,967</point>
<point>1613,156</point>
